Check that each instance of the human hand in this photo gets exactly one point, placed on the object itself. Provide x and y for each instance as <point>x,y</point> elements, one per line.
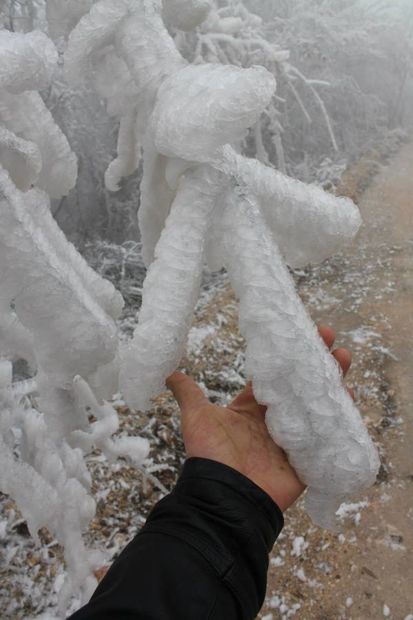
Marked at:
<point>237,435</point>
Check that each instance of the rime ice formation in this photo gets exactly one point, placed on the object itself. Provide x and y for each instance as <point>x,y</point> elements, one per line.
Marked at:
<point>27,64</point>
<point>58,315</point>
<point>202,199</point>
<point>38,281</point>
<point>172,284</point>
<point>309,413</point>
<point>116,47</point>
<point>294,211</point>
<point>49,483</point>
<point>21,158</point>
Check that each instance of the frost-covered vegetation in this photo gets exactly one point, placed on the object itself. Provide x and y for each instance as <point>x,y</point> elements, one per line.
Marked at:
<point>348,61</point>
<point>206,105</point>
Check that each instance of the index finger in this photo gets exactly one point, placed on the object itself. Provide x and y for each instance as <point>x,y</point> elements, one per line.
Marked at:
<point>188,394</point>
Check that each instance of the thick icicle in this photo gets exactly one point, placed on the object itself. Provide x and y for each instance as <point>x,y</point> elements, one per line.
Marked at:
<point>310,414</point>
<point>170,290</point>
<point>71,332</point>
<point>308,224</point>
<point>156,200</point>
<point>20,158</point>
<point>46,482</point>
<point>102,290</point>
<point>129,153</point>
<point>27,61</point>
<point>27,116</point>
<point>203,107</point>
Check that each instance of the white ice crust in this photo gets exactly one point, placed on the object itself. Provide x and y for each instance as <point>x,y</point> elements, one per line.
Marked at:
<point>27,64</point>
<point>309,413</point>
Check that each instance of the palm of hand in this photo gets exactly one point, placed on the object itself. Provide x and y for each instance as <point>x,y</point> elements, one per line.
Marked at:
<point>237,435</point>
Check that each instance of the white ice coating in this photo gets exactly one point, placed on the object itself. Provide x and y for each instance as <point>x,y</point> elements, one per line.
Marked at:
<point>123,49</point>
<point>57,314</point>
<point>197,192</point>
<point>224,100</point>
<point>78,338</point>
<point>156,200</point>
<point>99,434</point>
<point>20,158</point>
<point>50,484</point>
<point>27,63</point>
<point>129,152</point>
<point>26,115</point>
<point>171,289</point>
<point>101,290</point>
<point>309,413</point>
<point>308,224</point>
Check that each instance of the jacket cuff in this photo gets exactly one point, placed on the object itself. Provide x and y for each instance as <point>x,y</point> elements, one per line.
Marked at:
<point>272,520</point>
<point>229,520</point>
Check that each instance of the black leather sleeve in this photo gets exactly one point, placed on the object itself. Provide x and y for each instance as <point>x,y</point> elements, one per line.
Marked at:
<point>202,554</point>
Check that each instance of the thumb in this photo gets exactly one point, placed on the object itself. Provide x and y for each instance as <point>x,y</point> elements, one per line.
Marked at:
<point>246,402</point>
<point>188,394</point>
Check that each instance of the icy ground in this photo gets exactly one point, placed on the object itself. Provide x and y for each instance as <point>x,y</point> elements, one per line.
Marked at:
<point>313,574</point>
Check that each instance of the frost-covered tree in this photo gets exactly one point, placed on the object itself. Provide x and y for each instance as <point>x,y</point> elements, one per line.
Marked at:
<point>57,314</point>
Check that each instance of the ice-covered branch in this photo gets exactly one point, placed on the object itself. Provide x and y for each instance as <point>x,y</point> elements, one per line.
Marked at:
<point>171,289</point>
<point>309,413</point>
<point>99,434</point>
<point>27,63</point>
<point>126,51</point>
<point>308,224</point>
<point>57,315</point>
<point>77,338</point>
<point>20,158</point>
<point>49,482</point>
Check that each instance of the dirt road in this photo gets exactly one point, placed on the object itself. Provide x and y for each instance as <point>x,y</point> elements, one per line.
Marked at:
<point>367,295</point>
